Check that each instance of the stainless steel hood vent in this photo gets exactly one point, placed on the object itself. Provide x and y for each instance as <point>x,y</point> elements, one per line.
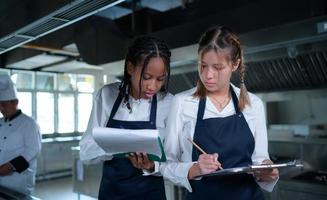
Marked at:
<point>306,71</point>
<point>182,82</point>
<point>286,57</point>
<point>65,16</point>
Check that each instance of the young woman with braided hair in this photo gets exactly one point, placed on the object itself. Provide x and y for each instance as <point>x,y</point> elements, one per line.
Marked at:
<point>132,104</point>
<point>228,123</point>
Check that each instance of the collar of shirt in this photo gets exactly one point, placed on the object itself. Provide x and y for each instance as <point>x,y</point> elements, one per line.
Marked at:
<point>132,100</point>
<point>211,111</point>
<point>228,109</point>
<point>140,110</point>
<point>18,112</point>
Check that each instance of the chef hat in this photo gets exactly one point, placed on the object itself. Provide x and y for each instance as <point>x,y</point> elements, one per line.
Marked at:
<point>8,90</point>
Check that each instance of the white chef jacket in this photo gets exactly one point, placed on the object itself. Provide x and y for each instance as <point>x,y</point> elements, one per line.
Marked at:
<point>20,137</point>
<point>181,125</point>
<point>90,152</point>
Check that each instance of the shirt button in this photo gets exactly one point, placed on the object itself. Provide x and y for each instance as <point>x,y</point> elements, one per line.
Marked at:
<point>0,150</point>
<point>9,124</point>
<point>4,137</point>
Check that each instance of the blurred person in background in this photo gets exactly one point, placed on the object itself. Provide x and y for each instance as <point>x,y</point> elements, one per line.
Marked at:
<point>20,142</point>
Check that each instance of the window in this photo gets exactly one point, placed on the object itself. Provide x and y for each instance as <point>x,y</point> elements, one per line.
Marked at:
<point>4,71</point>
<point>85,83</point>
<point>25,99</point>
<point>25,102</point>
<point>23,79</point>
<point>66,123</point>
<point>45,81</point>
<point>63,102</point>
<point>66,82</point>
<point>45,112</point>
<point>84,110</point>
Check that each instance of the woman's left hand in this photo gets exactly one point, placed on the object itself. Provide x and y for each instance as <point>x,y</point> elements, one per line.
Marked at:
<point>6,169</point>
<point>141,161</point>
<point>266,174</point>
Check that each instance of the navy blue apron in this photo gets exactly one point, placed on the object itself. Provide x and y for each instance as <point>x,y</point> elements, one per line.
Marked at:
<point>120,179</point>
<point>232,139</point>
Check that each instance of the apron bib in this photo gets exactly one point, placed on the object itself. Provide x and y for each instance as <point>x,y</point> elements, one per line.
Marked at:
<point>120,179</point>
<point>232,139</point>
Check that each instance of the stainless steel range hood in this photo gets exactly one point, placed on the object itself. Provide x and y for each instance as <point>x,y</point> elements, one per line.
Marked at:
<point>305,71</point>
<point>287,57</point>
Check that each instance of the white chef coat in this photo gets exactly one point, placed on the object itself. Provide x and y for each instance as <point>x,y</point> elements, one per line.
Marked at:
<point>181,125</point>
<point>90,152</point>
<point>20,137</point>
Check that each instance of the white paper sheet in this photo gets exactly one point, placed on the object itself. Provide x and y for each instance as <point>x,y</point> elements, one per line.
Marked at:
<point>114,140</point>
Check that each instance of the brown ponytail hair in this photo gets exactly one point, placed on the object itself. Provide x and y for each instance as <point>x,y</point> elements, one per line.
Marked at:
<point>218,39</point>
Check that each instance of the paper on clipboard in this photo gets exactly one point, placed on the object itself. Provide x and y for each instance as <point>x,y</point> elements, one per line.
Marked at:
<point>118,142</point>
<point>249,169</point>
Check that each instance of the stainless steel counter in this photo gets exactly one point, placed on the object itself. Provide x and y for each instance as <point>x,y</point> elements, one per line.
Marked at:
<point>8,194</point>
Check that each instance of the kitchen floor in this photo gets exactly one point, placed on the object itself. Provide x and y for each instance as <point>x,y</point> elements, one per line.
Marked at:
<point>60,188</point>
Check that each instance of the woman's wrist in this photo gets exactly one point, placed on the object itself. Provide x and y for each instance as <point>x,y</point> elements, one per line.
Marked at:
<point>194,171</point>
<point>150,168</point>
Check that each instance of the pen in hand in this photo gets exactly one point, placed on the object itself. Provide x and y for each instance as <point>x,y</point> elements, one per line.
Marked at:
<point>199,148</point>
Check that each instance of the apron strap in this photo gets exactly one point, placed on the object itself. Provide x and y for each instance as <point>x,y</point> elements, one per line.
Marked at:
<point>115,106</point>
<point>153,112</point>
<point>235,100</point>
<point>201,108</point>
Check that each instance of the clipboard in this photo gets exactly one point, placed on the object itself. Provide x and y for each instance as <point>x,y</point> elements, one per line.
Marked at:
<point>249,169</point>
<point>150,156</point>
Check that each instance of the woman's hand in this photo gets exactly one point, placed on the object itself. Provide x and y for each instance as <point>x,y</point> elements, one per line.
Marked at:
<point>141,161</point>
<point>266,174</point>
<point>6,169</point>
<point>207,163</point>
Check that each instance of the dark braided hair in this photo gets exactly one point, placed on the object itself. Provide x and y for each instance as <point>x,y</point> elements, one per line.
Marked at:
<point>139,53</point>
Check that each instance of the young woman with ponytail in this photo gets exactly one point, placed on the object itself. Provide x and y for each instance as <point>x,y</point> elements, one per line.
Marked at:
<point>227,122</point>
<point>139,101</point>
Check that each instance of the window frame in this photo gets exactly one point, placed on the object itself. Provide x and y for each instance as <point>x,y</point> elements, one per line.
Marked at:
<point>55,91</point>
